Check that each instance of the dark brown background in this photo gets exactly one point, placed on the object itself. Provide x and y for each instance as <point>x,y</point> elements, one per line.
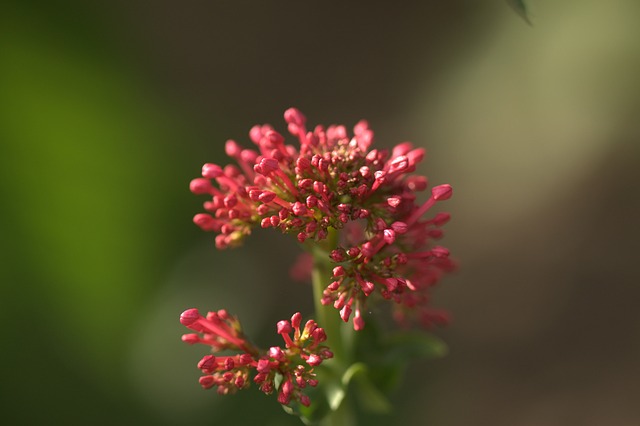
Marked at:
<point>108,109</point>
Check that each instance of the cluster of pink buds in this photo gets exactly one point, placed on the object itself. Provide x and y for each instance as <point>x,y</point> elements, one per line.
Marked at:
<point>392,260</point>
<point>333,181</point>
<point>293,366</point>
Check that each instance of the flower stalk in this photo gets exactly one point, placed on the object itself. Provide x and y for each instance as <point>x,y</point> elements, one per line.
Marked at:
<point>339,334</point>
<point>356,212</point>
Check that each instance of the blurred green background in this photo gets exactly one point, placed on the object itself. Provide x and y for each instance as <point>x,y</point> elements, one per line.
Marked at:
<point>108,109</point>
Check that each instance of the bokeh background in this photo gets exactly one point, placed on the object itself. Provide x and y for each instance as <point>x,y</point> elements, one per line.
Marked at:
<point>108,109</point>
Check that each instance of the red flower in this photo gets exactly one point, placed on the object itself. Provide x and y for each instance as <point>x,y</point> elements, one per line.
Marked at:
<point>228,373</point>
<point>333,181</point>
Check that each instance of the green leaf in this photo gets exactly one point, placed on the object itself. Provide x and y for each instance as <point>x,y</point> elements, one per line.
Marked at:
<point>352,371</point>
<point>290,410</point>
<point>335,395</point>
<point>387,377</point>
<point>277,380</point>
<point>371,398</point>
<point>521,9</point>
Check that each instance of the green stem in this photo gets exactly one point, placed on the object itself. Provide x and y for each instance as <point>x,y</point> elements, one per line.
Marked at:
<point>326,316</point>
<point>339,334</point>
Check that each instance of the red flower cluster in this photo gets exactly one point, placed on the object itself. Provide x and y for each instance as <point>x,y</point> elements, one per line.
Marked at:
<point>293,365</point>
<point>394,261</point>
<point>333,181</point>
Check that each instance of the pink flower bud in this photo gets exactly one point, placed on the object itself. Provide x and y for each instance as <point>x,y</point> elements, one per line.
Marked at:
<point>267,196</point>
<point>309,327</point>
<point>211,171</point>
<point>298,208</point>
<point>206,382</point>
<point>283,213</point>
<point>255,134</point>
<point>441,218</point>
<point>254,194</point>
<point>296,320</point>
<point>319,335</point>
<point>249,156</point>
<point>417,183</point>
<point>436,233</point>
<point>190,338</point>
<point>276,353</point>
<point>304,400</point>
<point>303,164</point>
<point>283,398</point>
<point>232,148</point>
<point>239,382</point>
<point>283,327</point>
<point>333,286</point>
<point>365,139</point>
<point>230,201</point>
<point>439,251</point>
<point>442,192</point>
<point>326,354</point>
<point>391,283</point>
<point>208,364</point>
<point>318,187</point>
<point>277,155</point>
<point>294,116</point>
<point>205,221</point>
<point>360,127</point>
<point>358,321</point>
<point>368,249</point>
<point>229,364</point>
<point>399,227</point>
<point>398,164</point>
<point>372,155</point>
<point>415,156</point>
<point>401,149</point>
<point>345,313</point>
<point>274,137</point>
<point>263,366</point>
<point>268,165</point>
<point>342,299</point>
<point>245,359</point>
<point>189,316</point>
<point>337,255</point>
<point>314,360</point>
<point>200,186</point>
<point>367,287</point>
<point>389,236</point>
<point>394,201</point>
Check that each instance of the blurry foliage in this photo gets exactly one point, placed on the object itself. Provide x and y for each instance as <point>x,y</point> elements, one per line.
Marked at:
<point>87,215</point>
<point>521,9</point>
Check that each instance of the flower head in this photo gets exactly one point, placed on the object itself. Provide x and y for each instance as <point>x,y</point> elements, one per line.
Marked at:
<point>332,181</point>
<point>293,364</point>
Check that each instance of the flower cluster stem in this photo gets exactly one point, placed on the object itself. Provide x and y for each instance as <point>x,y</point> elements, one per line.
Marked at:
<point>339,333</point>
